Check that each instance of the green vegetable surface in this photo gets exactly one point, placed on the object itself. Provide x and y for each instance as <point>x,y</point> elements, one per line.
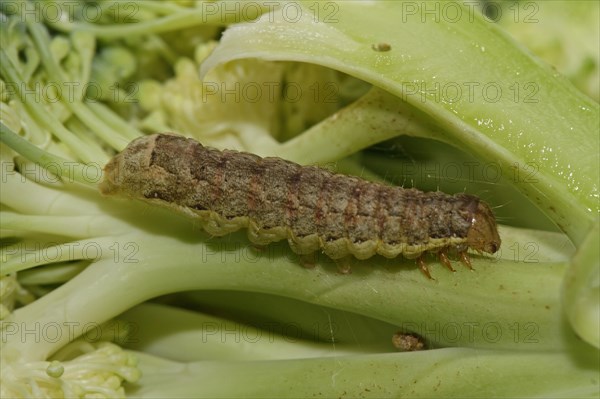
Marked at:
<point>107,297</point>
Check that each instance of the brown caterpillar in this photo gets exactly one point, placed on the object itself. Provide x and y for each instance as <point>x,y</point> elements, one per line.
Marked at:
<point>311,207</point>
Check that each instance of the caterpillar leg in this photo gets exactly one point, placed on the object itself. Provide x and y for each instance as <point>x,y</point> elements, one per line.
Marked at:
<point>308,261</point>
<point>423,266</point>
<point>444,259</point>
<point>464,258</point>
<point>344,265</point>
<point>259,248</point>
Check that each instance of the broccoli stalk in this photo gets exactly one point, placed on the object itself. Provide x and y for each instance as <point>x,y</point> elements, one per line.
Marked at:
<point>110,255</point>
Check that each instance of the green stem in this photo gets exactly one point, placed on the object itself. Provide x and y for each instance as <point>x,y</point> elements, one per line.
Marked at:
<point>70,170</point>
<point>444,373</point>
<point>375,117</point>
<point>205,14</point>
<point>581,289</point>
<point>106,114</point>
<point>520,317</point>
<point>84,151</point>
<point>186,335</point>
<point>96,124</point>
<point>77,226</point>
<point>16,258</point>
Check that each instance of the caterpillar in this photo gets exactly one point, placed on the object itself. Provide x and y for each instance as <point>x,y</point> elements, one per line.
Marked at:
<point>313,208</point>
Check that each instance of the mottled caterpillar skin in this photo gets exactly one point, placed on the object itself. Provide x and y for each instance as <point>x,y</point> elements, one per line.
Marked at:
<point>311,207</point>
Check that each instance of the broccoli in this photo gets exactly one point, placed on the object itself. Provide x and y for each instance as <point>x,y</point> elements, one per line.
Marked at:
<point>101,297</point>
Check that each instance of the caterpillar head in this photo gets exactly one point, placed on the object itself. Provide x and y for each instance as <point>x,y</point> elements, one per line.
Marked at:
<point>129,173</point>
<point>120,172</point>
<point>483,233</point>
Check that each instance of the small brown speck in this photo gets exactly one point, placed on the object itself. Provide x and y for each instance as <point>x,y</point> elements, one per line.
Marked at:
<point>408,342</point>
<point>381,47</point>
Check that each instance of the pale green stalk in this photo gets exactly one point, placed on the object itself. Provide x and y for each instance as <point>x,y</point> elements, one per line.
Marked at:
<point>102,130</point>
<point>173,18</point>
<point>581,289</point>
<point>46,119</point>
<point>444,373</point>
<point>185,335</point>
<point>321,324</point>
<point>52,274</point>
<point>115,121</point>
<point>84,226</point>
<point>375,117</point>
<point>72,171</point>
